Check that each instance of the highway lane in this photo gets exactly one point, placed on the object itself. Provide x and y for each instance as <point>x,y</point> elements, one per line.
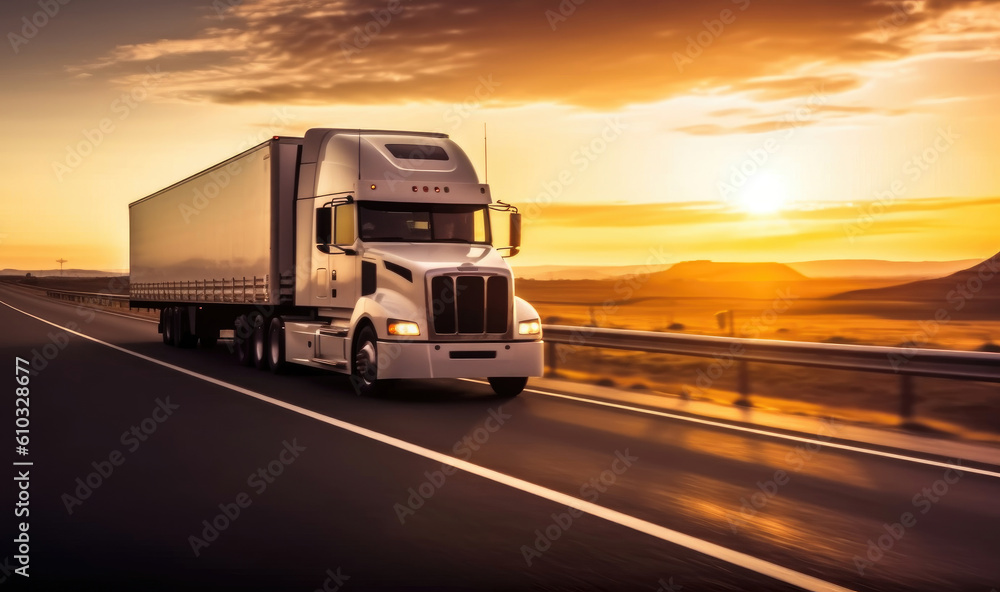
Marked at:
<point>342,505</point>
<point>337,511</point>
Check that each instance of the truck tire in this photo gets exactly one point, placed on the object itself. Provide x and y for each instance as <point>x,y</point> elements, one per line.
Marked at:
<point>242,333</point>
<point>276,346</point>
<point>182,328</point>
<point>167,325</point>
<point>258,345</point>
<point>364,370</point>
<point>507,386</point>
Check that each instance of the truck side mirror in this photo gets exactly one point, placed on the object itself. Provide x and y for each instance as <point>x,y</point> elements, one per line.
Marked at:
<point>324,226</point>
<point>515,233</point>
<point>515,230</point>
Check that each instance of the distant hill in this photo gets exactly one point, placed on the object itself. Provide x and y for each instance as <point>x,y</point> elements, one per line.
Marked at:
<point>875,268</point>
<point>711,271</point>
<point>63,273</point>
<point>581,272</point>
<point>833,268</point>
<point>974,279</point>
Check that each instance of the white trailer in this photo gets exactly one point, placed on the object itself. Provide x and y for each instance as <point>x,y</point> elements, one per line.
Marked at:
<point>364,252</point>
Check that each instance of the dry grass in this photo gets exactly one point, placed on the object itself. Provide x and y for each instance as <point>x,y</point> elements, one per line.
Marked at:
<point>955,407</point>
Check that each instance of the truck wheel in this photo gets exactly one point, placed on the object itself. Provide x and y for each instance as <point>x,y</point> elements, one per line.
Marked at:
<point>364,373</point>
<point>258,346</point>
<point>276,346</point>
<point>167,324</point>
<point>182,328</point>
<point>242,333</point>
<point>507,386</point>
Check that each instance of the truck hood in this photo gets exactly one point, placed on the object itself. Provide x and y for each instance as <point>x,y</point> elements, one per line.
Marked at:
<point>423,257</point>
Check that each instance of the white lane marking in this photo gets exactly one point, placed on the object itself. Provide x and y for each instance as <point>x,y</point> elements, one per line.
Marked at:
<point>737,558</point>
<point>117,314</point>
<point>739,428</point>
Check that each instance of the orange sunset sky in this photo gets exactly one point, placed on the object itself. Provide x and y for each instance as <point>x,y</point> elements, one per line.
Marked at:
<point>627,132</point>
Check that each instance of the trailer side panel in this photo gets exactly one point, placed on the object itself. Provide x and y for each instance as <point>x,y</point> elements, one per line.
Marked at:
<point>207,238</point>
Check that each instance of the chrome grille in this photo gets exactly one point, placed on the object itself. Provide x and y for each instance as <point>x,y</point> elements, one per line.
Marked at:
<point>470,304</point>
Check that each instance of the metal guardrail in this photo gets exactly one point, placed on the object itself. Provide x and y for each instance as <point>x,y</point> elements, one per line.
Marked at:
<point>982,366</point>
<point>903,362</point>
<point>906,363</point>
<point>102,299</point>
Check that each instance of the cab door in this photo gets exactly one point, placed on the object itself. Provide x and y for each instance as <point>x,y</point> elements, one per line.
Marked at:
<point>336,262</point>
<point>323,225</point>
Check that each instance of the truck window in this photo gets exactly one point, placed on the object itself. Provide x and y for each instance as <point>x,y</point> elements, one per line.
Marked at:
<point>417,151</point>
<point>402,222</point>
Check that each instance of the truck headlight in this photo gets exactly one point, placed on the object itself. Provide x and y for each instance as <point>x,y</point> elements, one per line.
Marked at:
<point>533,327</point>
<point>403,328</point>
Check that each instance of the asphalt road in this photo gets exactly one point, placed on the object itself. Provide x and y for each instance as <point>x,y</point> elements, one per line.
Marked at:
<point>197,473</point>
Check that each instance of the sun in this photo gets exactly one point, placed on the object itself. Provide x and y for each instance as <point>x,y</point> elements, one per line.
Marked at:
<point>764,193</point>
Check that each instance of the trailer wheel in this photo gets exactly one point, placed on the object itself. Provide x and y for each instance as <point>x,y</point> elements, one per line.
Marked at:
<point>276,346</point>
<point>507,386</point>
<point>242,332</point>
<point>364,372</point>
<point>167,324</point>
<point>258,345</point>
<point>182,328</point>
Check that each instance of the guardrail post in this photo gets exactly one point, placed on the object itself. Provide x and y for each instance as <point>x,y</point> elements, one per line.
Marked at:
<point>552,357</point>
<point>744,385</point>
<point>907,400</point>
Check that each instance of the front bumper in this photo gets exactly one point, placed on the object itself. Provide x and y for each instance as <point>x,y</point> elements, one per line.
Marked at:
<point>400,359</point>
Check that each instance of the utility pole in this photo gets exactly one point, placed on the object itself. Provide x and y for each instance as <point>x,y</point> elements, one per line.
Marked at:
<point>60,261</point>
<point>727,317</point>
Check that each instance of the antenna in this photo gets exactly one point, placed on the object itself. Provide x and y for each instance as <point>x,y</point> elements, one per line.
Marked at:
<point>359,154</point>
<point>486,155</point>
<point>60,261</point>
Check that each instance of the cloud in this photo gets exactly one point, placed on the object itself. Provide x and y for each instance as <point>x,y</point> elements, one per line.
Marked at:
<point>776,122</point>
<point>629,215</point>
<point>712,129</point>
<point>733,111</point>
<point>599,56</point>
<point>789,87</point>
<point>698,213</point>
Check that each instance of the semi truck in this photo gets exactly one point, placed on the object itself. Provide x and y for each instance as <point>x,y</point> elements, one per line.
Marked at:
<point>366,252</point>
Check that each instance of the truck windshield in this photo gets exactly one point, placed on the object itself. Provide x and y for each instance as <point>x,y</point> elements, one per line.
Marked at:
<point>424,223</point>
